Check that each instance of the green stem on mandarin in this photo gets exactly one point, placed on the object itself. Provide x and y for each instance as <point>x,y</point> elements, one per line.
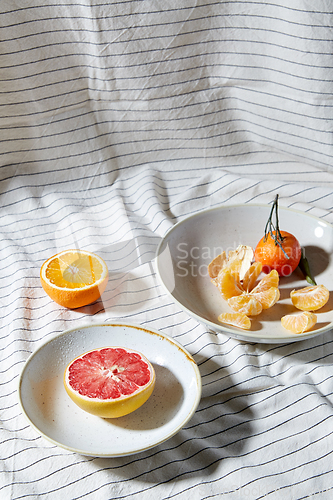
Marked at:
<point>269,228</point>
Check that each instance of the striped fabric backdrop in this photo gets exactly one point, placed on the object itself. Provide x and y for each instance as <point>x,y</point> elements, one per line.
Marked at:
<point>117,120</point>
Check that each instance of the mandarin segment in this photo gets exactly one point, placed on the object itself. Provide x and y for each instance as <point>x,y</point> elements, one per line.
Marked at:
<point>267,298</point>
<point>234,268</point>
<point>310,298</point>
<point>228,285</point>
<point>216,265</point>
<point>299,322</point>
<point>237,263</point>
<point>253,304</point>
<point>245,303</point>
<point>237,319</point>
<point>270,280</point>
<point>251,276</point>
<point>239,260</point>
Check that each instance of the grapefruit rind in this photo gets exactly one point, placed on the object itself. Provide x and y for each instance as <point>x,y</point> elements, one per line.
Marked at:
<point>112,408</point>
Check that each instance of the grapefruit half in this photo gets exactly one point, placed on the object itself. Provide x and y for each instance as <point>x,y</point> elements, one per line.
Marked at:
<point>110,382</point>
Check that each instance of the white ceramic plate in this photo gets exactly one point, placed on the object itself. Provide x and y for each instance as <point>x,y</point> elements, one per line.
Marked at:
<point>53,415</point>
<point>186,250</point>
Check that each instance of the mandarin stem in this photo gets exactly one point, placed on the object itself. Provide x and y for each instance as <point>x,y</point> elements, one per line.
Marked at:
<point>277,237</point>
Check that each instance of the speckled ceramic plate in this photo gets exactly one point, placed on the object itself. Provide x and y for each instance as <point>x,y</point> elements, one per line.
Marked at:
<point>53,415</point>
<point>186,250</point>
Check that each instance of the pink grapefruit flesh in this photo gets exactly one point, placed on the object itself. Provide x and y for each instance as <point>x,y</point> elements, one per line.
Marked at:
<point>110,382</point>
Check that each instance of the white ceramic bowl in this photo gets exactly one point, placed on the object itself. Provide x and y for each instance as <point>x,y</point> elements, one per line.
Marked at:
<point>186,250</point>
<point>53,415</point>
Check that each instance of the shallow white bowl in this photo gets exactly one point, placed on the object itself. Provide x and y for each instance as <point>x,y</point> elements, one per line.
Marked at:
<point>186,250</point>
<point>53,415</point>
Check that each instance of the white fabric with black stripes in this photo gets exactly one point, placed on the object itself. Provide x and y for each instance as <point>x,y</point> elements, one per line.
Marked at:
<point>117,120</point>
